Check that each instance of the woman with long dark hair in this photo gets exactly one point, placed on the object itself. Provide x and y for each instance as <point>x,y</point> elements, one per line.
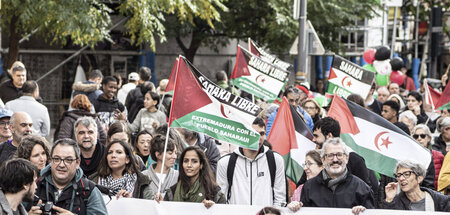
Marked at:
<point>414,103</point>
<point>119,172</point>
<point>196,182</point>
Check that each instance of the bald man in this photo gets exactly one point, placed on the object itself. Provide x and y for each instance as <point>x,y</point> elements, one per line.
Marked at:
<point>21,125</point>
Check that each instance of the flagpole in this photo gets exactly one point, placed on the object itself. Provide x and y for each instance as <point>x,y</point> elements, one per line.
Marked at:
<point>253,98</point>
<point>160,102</point>
<point>163,159</point>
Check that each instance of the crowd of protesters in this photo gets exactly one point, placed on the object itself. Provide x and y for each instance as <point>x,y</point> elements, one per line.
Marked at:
<point>111,141</point>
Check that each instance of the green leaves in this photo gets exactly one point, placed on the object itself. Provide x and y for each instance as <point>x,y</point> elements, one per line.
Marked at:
<point>86,22</point>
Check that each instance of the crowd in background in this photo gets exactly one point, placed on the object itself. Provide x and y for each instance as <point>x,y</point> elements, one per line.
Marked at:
<point>111,141</point>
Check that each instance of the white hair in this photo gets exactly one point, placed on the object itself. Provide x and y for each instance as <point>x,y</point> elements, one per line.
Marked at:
<point>409,115</point>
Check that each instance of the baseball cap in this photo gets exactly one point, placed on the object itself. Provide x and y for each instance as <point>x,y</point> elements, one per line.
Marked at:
<point>5,113</point>
<point>133,76</point>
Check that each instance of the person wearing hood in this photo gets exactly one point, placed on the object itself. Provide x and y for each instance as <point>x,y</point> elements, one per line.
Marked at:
<point>106,105</point>
<point>90,88</point>
<point>62,183</point>
<point>81,107</point>
<point>252,182</point>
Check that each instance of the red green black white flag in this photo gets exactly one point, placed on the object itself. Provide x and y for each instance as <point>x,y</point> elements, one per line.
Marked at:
<point>381,143</point>
<point>258,76</point>
<point>291,137</point>
<point>258,51</point>
<point>444,101</point>
<point>171,84</point>
<point>346,78</point>
<point>202,106</point>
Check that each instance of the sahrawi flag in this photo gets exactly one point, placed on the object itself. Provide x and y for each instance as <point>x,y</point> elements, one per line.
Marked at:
<point>346,78</point>
<point>256,50</point>
<point>444,101</point>
<point>291,138</point>
<point>431,95</point>
<point>202,106</point>
<point>381,143</point>
<point>257,76</point>
<point>171,84</point>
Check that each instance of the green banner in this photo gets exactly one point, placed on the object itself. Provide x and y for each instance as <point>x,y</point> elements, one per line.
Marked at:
<point>219,128</point>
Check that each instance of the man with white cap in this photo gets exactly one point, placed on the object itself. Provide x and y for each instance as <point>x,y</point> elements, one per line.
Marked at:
<point>133,79</point>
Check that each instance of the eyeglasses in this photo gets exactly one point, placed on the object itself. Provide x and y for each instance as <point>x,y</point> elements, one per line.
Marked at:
<point>338,155</point>
<point>307,165</point>
<point>404,174</point>
<point>416,136</point>
<point>262,133</point>
<point>66,161</point>
<point>4,124</point>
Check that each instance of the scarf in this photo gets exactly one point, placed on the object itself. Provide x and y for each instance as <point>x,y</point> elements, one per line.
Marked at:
<point>127,183</point>
<point>333,183</point>
<point>196,193</point>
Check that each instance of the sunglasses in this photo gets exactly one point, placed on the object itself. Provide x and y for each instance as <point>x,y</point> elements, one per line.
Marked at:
<point>416,136</point>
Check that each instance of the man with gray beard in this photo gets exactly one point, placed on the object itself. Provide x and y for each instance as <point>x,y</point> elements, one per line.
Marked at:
<point>335,186</point>
<point>85,130</point>
<point>20,126</point>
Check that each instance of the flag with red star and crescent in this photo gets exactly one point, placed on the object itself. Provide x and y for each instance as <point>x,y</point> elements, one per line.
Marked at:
<point>381,143</point>
<point>257,76</point>
<point>260,52</point>
<point>347,78</point>
<point>200,105</point>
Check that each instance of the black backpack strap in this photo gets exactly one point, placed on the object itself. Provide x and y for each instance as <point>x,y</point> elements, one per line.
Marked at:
<point>230,173</point>
<point>272,166</point>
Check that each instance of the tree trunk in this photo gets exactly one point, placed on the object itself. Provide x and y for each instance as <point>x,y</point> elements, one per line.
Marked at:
<point>14,37</point>
<point>196,40</point>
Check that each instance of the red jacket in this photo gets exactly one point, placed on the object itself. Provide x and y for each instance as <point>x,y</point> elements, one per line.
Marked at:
<point>438,159</point>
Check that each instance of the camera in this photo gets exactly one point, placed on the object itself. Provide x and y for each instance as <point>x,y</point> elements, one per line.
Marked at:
<point>46,208</point>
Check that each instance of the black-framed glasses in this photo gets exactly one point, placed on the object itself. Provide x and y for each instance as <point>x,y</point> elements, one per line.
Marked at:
<point>338,155</point>
<point>262,133</point>
<point>4,123</point>
<point>66,161</point>
<point>416,136</point>
<point>404,174</point>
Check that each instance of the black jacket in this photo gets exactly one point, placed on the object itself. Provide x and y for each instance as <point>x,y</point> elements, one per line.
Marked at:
<point>134,102</point>
<point>90,169</point>
<point>349,193</point>
<point>9,92</point>
<point>439,145</point>
<point>401,202</point>
<point>105,110</point>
